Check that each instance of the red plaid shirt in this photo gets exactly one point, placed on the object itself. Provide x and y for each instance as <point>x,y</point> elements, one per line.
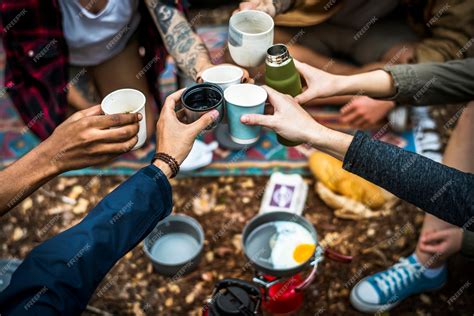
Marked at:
<point>37,60</point>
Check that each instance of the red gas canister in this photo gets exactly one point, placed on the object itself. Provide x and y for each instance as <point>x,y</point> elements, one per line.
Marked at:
<point>285,297</point>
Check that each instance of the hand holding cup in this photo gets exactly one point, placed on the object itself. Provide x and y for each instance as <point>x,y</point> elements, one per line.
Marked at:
<point>90,138</point>
<point>289,119</point>
<point>174,137</point>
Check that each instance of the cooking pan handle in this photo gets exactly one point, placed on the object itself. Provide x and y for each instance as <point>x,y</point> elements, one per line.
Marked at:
<point>320,254</point>
<point>318,257</point>
<point>336,256</point>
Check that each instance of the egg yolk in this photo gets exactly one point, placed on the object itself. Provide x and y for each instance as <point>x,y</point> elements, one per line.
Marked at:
<point>303,252</point>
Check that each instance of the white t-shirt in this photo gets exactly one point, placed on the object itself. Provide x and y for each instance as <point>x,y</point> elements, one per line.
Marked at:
<point>94,38</point>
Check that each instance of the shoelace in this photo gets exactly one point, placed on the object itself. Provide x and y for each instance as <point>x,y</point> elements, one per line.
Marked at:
<point>409,271</point>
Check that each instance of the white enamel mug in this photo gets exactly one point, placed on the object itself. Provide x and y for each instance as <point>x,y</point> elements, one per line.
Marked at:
<point>250,35</point>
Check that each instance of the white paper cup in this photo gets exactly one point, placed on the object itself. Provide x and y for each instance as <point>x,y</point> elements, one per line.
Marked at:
<point>127,101</point>
<point>224,76</point>
<point>250,35</point>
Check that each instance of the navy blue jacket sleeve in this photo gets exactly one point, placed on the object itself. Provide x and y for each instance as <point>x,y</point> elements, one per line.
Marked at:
<point>60,275</point>
<point>445,192</point>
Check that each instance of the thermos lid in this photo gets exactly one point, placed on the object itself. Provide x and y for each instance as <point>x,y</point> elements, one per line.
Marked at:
<point>277,54</point>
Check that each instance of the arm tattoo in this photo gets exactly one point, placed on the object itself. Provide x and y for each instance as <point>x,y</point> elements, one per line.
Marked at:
<point>183,34</point>
<point>164,16</point>
<point>282,6</point>
<point>183,44</point>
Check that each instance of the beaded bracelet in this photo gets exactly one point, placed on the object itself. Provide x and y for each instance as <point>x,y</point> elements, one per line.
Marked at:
<point>170,161</point>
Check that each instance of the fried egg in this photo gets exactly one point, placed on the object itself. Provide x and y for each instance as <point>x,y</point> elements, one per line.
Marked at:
<point>291,245</point>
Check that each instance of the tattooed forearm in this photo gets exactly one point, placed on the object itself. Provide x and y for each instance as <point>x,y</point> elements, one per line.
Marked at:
<point>182,42</point>
<point>164,15</point>
<point>183,34</point>
<point>282,6</point>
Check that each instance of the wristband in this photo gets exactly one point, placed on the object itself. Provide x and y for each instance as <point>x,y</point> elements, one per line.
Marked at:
<point>170,161</point>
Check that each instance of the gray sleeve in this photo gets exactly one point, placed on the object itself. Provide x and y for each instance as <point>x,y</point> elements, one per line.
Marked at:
<point>467,248</point>
<point>445,192</point>
<point>433,83</point>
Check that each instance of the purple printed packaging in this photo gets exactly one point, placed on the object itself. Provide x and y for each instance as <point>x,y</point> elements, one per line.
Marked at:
<point>284,192</point>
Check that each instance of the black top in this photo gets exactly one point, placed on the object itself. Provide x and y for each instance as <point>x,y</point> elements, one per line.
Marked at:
<point>445,192</point>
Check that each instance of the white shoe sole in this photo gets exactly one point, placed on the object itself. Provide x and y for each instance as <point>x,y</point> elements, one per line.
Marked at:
<point>365,307</point>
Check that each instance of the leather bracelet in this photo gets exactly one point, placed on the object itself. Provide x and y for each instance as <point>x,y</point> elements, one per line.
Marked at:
<point>169,160</point>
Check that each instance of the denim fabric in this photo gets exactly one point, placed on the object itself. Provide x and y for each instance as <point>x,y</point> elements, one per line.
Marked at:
<point>60,275</point>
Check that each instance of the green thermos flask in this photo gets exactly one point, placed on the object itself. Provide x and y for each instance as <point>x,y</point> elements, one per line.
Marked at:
<point>281,75</point>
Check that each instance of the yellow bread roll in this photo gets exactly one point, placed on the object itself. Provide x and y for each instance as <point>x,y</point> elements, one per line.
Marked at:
<point>328,170</point>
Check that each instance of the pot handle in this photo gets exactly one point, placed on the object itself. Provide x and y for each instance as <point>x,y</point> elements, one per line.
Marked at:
<point>336,256</point>
<point>318,257</point>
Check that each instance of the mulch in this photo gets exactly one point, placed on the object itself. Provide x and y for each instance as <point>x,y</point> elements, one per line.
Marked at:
<point>223,206</point>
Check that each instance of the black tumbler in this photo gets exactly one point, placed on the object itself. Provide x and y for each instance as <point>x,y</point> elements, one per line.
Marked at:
<point>201,99</point>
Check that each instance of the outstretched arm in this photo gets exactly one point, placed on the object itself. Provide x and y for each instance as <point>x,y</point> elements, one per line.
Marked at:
<point>60,275</point>
<point>420,84</point>
<point>182,42</point>
<point>83,140</point>
<point>437,189</point>
<point>25,176</point>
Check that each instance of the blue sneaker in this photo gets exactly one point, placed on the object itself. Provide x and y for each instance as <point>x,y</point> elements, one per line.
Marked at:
<point>384,290</point>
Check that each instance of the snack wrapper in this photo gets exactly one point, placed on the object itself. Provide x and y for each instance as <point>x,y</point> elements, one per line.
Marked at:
<point>284,192</point>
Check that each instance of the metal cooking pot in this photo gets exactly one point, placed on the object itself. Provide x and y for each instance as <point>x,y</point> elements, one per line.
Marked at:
<point>182,224</point>
<point>319,253</point>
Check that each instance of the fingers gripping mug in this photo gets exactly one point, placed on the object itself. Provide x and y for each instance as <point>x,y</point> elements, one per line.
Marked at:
<point>127,101</point>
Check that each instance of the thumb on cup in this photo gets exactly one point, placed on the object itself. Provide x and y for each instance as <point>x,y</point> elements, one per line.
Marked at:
<point>204,121</point>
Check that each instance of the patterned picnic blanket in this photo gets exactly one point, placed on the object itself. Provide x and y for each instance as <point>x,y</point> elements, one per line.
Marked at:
<point>263,158</point>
